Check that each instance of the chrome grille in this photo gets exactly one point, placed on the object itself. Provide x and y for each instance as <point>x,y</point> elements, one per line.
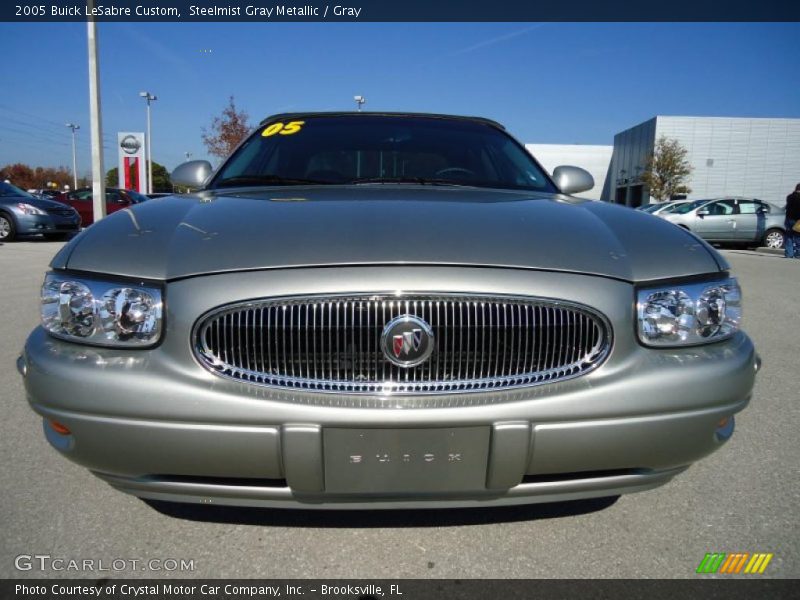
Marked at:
<point>64,212</point>
<point>332,343</point>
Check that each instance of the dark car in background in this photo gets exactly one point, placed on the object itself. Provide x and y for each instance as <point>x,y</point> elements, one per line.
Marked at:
<point>116,199</point>
<point>23,214</point>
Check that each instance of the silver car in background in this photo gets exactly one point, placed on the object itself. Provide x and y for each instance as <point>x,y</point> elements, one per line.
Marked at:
<point>383,310</point>
<point>731,220</point>
<point>656,209</point>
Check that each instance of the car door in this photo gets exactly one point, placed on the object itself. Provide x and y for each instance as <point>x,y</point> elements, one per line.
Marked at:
<point>115,201</point>
<point>747,220</point>
<point>718,224</point>
<point>82,202</point>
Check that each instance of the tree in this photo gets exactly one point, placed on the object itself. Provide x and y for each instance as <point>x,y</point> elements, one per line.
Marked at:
<point>226,131</point>
<point>161,181</point>
<point>26,177</point>
<point>667,170</point>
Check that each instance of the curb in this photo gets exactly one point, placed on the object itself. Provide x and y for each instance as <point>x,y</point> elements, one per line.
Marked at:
<point>774,251</point>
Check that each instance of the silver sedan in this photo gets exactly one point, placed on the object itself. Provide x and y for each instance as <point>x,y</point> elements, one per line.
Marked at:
<point>731,220</point>
<point>386,310</point>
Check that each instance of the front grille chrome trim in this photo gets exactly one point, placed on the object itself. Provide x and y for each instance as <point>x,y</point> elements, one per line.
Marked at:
<point>330,343</point>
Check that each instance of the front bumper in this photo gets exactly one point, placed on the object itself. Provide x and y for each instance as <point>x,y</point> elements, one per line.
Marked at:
<point>34,224</point>
<point>156,424</point>
<point>531,458</point>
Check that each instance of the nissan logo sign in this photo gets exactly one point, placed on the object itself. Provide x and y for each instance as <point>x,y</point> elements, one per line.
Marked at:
<point>130,144</point>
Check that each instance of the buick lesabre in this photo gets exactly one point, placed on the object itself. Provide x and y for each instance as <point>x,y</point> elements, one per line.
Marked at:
<point>382,310</point>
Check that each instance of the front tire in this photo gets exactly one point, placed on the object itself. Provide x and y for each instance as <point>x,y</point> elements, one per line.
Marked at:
<point>774,238</point>
<point>7,230</point>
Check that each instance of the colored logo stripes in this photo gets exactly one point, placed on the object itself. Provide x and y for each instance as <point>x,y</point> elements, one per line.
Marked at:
<point>735,563</point>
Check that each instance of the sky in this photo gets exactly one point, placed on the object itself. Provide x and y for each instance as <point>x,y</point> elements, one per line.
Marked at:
<point>564,83</point>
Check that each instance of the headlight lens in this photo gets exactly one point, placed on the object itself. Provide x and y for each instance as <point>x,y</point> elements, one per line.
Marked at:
<point>101,313</point>
<point>29,209</point>
<point>686,315</point>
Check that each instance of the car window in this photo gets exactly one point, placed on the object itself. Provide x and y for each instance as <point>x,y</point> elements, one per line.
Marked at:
<point>722,207</point>
<point>84,195</point>
<point>748,207</point>
<point>333,149</point>
<point>135,197</point>
<point>674,207</point>
<point>688,207</point>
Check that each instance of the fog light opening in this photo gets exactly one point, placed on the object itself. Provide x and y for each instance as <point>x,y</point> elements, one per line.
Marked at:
<point>724,428</point>
<point>60,428</point>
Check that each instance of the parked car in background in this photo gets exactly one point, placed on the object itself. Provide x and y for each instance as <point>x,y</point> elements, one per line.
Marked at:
<point>731,220</point>
<point>116,199</point>
<point>22,214</point>
<point>46,194</point>
<point>386,310</point>
<point>655,209</point>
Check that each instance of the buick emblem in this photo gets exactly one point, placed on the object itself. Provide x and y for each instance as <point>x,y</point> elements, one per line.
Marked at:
<point>407,341</point>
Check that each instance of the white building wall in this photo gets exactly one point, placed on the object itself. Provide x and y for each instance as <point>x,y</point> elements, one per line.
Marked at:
<point>595,159</point>
<point>738,156</point>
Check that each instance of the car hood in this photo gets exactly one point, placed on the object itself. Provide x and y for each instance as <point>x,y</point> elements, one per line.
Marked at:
<point>42,203</point>
<point>228,230</point>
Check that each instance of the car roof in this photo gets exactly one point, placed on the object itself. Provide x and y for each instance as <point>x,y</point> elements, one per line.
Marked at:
<point>352,113</point>
<point>728,198</point>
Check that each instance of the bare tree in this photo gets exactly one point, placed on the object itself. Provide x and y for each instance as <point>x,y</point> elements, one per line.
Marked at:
<point>667,170</point>
<point>226,131</point>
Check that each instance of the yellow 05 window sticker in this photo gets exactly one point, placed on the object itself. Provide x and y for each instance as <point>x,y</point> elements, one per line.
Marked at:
<point>289,128</point>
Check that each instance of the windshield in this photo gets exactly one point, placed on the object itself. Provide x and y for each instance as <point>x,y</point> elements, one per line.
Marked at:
<point>649,208</point>
<point>377,149</point>
<point>682,209</point>
<point>673,207</point>
<point>136,197</point>
<point>6,189</point>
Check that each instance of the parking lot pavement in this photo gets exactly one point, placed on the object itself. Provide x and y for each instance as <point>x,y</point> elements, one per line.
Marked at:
<point>745,498</point>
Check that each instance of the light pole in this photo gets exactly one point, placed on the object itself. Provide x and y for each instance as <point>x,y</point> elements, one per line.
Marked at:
<point>359,101</point>
<point>96,125</point>
<point>148,149</point>
<point>74,127</point>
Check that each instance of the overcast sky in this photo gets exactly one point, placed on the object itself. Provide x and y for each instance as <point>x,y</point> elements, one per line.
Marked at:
<point>548,83</point>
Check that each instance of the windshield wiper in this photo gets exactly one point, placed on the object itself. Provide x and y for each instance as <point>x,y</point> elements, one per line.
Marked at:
<point>417,180</point>
<point>267,180</point>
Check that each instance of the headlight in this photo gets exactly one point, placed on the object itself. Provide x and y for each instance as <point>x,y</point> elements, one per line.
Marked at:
<point>101,313</point>
<point>685,315</point>
<point>29,209</point>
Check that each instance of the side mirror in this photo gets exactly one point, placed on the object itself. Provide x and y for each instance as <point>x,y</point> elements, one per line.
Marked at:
<point>191,174</point>
<point>571,180</point>
<point>763,210</point>
<point>703,212</point>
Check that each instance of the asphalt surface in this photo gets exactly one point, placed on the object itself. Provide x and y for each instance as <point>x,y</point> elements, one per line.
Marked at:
<point>745,498</point>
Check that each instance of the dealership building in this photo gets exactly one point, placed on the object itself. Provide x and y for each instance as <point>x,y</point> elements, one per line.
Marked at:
<point>730,156</point>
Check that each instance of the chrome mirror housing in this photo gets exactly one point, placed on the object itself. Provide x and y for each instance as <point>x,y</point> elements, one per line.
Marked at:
<point>571,180</point>
<point>192,174</point>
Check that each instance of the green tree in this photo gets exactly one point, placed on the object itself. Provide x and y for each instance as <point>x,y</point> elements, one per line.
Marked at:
<point>226,130</point>
<point>667,170</point>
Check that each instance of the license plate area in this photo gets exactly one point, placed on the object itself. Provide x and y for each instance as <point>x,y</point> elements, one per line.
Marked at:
<point>405,461</point>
